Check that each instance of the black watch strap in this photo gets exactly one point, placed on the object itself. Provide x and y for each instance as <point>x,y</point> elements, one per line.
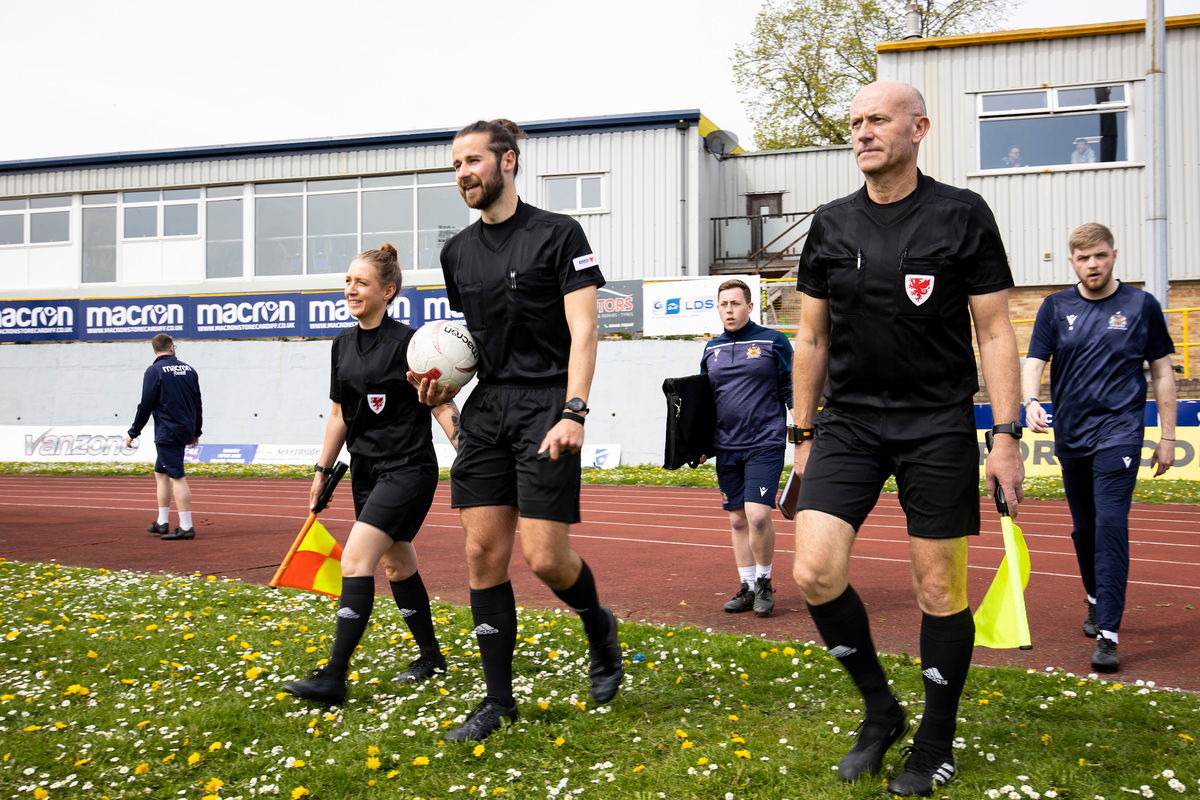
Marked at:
<point>574,417</point>
<point>319,468</point>
<point>798,435</point>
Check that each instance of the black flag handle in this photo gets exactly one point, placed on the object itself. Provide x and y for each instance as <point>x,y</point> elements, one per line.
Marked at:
<point>1001,503</point>
<point>339,469</point>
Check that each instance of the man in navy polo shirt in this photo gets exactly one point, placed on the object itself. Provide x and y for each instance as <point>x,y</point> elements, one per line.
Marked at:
<point>1096,336</point>
<point>750,369</point>
<point>171,393</point>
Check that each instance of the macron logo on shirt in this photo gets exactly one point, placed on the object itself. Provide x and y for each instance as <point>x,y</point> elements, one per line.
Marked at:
<point>583,262</point>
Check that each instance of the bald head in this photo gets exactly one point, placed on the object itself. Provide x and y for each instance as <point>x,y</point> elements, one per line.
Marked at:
<point>887,124</point>
<point>895,94</point>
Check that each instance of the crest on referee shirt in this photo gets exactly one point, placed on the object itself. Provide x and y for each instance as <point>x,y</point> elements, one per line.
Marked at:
<point>919,288</point>
<point>376,402</point>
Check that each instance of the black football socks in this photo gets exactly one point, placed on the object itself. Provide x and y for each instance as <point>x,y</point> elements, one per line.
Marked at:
<point>413,601</point>
<point>844,626</point>
<point>353,615</point>
<point>946,647</point>
<point>494,612</point>
<point>582,597</point>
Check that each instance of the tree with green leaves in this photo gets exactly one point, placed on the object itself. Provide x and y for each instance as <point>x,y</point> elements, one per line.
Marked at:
<point>807,58</point>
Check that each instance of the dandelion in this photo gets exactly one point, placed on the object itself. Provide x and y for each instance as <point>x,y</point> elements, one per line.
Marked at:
<point>40,793</point>
<point>543,705</point>
<point>686,745</point>
<point>742,753</point>
<point>639,768</point>
<point>373,762</point>
<point>141,769</point>
<point>372,750</point>
<point>253,672</point>
<point>478,750</point>
<point>559,742</point>
<point>420,761</point>
<point>215,746</point>
<point>75,688</point>
<point>213,785</point>
<point>701,761</point>
<point>299,792</point>
<point>194,757</point>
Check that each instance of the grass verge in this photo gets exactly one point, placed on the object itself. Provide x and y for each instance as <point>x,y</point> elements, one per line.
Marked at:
<point>122,685</point>
<point>1037,487</point>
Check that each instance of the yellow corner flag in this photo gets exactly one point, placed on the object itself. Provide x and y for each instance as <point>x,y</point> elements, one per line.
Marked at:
<point>314,563</point>
<point>1000,620</point>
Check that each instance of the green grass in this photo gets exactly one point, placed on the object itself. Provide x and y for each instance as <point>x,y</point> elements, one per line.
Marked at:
<point>1036,488</point>
<point>124,685</point>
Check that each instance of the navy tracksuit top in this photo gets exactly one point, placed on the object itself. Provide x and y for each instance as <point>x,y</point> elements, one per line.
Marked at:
<point>171,393</point>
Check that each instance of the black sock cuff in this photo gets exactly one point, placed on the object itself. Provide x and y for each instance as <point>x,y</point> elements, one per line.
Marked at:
<point>581,595</point>
<point>363,585</point>
<point>500,595</point>
<point>408,584</point>
<point>956,626</point>
<point>848,602</point>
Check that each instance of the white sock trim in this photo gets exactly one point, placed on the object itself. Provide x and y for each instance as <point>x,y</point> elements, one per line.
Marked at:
<point>762,572</point>
<point>1116,638</point>
<point>164,515</point>
<point>185,519</point>
<point>746,574</point>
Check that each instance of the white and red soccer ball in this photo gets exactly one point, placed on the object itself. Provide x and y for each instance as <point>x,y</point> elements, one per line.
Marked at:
<point>444,352</point>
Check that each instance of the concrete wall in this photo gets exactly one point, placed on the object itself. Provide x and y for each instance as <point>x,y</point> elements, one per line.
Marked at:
<point>276,392</point>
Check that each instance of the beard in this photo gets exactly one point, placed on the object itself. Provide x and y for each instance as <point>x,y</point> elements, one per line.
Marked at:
<point>490,189</point>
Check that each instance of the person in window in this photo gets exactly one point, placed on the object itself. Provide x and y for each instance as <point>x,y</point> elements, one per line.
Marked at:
<point>1013,159</point>
<point>1083,152</point>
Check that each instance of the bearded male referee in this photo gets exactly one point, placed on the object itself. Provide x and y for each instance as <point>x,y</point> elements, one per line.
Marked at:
<point>893,277</point>
<point>526,280</point>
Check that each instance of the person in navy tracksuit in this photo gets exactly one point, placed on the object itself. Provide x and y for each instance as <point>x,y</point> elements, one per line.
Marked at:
<point>171,393</point>
<point>1097,335</point>
<point>750,369</point>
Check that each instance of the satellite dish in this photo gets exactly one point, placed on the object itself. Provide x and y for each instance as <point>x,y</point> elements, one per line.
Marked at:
<point>721,143</point>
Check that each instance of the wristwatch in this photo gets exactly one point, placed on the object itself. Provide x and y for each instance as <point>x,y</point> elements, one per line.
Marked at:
<point>319,468</point>
<point>1013,429</point>
<point>798,435</point>
<point>577,405</point>
<point>1030,400</point>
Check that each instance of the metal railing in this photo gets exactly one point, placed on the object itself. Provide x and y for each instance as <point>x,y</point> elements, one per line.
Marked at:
<point>761,239</point>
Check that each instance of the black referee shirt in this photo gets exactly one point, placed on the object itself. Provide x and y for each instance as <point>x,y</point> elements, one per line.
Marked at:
<point>383,416</point>
<point>509,280</point>
<point>897,286</point>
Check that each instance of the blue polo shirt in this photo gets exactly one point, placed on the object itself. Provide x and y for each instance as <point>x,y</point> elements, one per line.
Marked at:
<point>1096,349</point>
<point>751,374</point>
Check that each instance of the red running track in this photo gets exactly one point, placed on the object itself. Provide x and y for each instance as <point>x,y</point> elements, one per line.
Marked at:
<point>660,554</point>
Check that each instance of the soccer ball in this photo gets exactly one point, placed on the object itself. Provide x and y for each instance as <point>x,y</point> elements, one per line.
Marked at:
<point>444,352</point>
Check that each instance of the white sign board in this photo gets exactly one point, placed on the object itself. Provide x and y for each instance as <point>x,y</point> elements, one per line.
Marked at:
<point>683,307</point>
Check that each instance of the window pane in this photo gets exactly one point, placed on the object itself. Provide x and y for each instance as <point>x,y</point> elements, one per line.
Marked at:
<point>52,227</point>
<point>426,178</point>
<point>377,181</point>
<point>50,202</point>
<point>560,194</point>
<point>278,243</point>
<point>336,184</point>
<point>1045,141</point>
<point>99,199</point>
<point>1019,101</point>
<point>332,232</point>
<point>223,232</point>
<point>14,205</point>
<point>141,222</point>
<point>141,197</point>
<point>99,245</point>
<point>388,217</point>
<point>181,194</point>
<point>180,220</point>
<point>1091,95</point>
<point>288,187</point>
<point>590,193</point>
<point>441,213</point>
<point>225,191</point>
<point>12,229</point>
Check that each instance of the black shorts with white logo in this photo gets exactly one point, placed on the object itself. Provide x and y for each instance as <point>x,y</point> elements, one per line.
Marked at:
<point>392,497</point>
<point>497,464</point>
<point>169,459</point>
<point>934,455</point>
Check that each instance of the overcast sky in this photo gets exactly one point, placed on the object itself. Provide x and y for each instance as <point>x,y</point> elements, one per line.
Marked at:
<point>98,76</point>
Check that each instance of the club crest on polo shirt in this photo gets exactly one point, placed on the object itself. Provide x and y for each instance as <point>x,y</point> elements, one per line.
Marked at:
<point>583,262</point>
<point>753,351</point>
<point>919,288</point>
<point>1118,322</point>
<point>376,402</point>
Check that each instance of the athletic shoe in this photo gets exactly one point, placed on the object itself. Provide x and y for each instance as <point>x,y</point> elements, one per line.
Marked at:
<point>607,668</point>
<point>924,771</point>
<point>1105,658</point>
<point>1089,625</point>
<point>485,720</point>
<point>742,601</point>
<point>159,528</point>
<point>764,597</point>
<point>322,686</point>
<point>179,533</point>
<point>874,739</point>
<point>423,668</point>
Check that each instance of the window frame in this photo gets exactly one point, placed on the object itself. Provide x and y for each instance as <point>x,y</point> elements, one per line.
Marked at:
<point>30,211</point>
<point>579,177</point>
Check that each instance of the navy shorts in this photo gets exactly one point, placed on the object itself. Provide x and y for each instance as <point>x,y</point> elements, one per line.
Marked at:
<point>170,459</point>
<point>393,497</point>
<point>497,464</point>
<point>933,454</point>
<point>749,476</point>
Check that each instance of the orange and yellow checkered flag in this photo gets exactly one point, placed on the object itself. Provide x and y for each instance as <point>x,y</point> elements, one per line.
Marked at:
<point>314,563</point>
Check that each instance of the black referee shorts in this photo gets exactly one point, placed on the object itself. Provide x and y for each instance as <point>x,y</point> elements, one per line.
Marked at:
<point>933,454</point>
<point>497,465</point>
<point>393,497</point>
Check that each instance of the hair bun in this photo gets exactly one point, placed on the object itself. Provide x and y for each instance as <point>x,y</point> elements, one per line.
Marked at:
<point>511,127</point>
<point>386,247</point>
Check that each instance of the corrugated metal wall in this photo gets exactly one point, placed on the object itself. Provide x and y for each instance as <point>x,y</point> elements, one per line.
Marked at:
<point>1036,212</point>
<point>807,178</point>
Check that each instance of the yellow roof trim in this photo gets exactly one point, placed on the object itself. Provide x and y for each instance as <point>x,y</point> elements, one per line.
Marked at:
<point>1033,34</point>
<point>707,126</point>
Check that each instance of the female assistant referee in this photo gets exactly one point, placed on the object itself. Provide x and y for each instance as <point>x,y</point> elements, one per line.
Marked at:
<point>393,468</point>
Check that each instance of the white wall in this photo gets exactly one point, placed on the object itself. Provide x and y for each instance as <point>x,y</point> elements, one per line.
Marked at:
<point>272,392</point>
